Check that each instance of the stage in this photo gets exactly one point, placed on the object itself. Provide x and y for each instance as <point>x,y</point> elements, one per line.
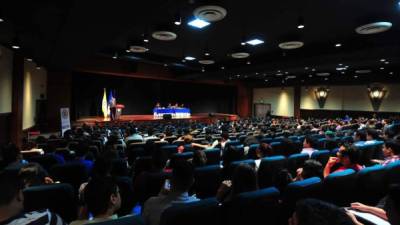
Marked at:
<point>200,117</point>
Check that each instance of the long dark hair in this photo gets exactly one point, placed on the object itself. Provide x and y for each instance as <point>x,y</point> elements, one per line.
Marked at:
<point>244,179</point>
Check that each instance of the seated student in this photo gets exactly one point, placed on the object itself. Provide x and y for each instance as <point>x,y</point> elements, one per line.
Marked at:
<point>311,168</point>
<point>391,152</point>
<point>12,205</point>
<point>308,145</point>
<point>263,150</point>
<point>360,136</point>
<point>316,212</point>
<point>102,199</point>
<point>32,174</point>
<point>330,143</point>
<point>388,208</point>
<point>244,179</point>
<point>134,136</point>
<point>372,136</point>
<point>175,193</point>
<point>347,158</point>
<point>199,158</point>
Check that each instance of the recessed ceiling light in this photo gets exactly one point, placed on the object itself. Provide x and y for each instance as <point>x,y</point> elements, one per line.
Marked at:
<point>29,59</point>
<point>164,35</point>
<point>165,64</point>
<point>355,76</point>
<point>190,58</point>
<point>374,28</point>
<point>382,68</point>
<point>309,75</point>
<point>255,42</point>
<point>342,72</point>
<point>286,72</point>
<point>210,13</point>
<point>127,50</point>
<point>306,68</point>
<point>38,67</point>
<point>340,68</point>
<point>291,45</point>
<point>278,71</point>
<point>313,69</point>
<point>279,74</point>
<point>300,26</point>
<point>240,55</point>
<point>340,64</point>
<point>387,62</point>
<point>326,78</point>
<point>248,62</point>
<point>382,60</point>
<point>138,49</point>
<point>198,23</point>
<point>363,71</point>
<point>266,80</point>
<point>222,67</point>
<point>1,20</point>
<point>207,54</point>
<point>178,20</point>
<point>115,56</point>
<point>300,23</point>
<point>203,70</point>
<point>338,45</point>
<point>391,73</point>
<point>206,61</point>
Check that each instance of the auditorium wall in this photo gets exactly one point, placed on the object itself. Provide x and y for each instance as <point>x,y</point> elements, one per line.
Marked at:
<point>281,99</point>
<point>6,64</point>
<point>140,95</point>
<point>34,86</point>
<point>340,98</point>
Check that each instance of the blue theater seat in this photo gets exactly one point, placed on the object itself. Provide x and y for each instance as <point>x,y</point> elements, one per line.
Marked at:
<point>213,156</point>
<point>339,187</point>
<point>207,181</point>
<point>71,173</point>
<point>371,185</point>
<point>393,173</point>
<point>203,212</point>
<point>59,198</point>
<point>46,161</point>
<point>253,207</point>
<point>235,164</point>
<point>126,220</point>
<point>269,167</point>
<point>321,156</point>
<point>296,161</point>
<point>252,151</point>
<point>170,149</point>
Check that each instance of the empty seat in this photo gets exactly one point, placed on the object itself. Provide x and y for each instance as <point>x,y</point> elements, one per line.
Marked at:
<point>72,173</point>
<point>196,213</point>
<point>59,198</point>
<point>253,207</point>
<point>296,161</point>
<point>340,187</point>
<point>321,156</point>
<point>371,185</point>
<point>213,156</point>
<point>207,181</point>
<point>269,168</point>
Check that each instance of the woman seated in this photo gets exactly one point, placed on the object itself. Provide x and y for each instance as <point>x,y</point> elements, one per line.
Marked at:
<point>244,179</point>
<point>347,158</point>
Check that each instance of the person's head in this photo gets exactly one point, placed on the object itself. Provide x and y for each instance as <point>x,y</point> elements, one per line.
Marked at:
<point>329,134</point>
<point>309,142</point>
<point>102,196</point>
<point>199,158</point>
<point>102,167</point>
<point>225,136</point>
<point>317,212</point>
<point>392,204</point>
<point>11,197</point>
<point>391,148</point>
<point>360,135</point>
<point>244,179</point>
<point>231,153</point>
<point>348,155</point>
<point>282,179</point>
<point>10,154</point>
<point>312,168</point>
<point>187,139</point>
<point>32,174</point>
<point>264,150</point>
<point>182,176</point>
<point>372,134</point>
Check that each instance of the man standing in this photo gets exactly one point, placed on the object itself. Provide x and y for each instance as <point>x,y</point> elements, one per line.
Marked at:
<point>113,108</point>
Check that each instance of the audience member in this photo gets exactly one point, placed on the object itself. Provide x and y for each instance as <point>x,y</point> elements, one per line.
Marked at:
<point>176,193</point>
<point>347,158</point>
<point>32,174</point>
<point>391,152</point>
<point>12,205</point>
<point>311,168</point>
<point>309,145</point>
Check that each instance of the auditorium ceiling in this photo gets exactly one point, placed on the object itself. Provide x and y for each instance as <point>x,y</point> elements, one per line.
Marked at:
<point>326,46</point>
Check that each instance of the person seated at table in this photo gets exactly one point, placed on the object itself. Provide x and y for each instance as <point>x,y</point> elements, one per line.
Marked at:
<point>176,106</point>
<point>347,158</point>
<point>182,105</point>
<point>169,105</point>
<point>158,105</point>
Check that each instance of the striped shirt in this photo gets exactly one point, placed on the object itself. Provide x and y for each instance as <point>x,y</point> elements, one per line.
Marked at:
<point>42,217</point>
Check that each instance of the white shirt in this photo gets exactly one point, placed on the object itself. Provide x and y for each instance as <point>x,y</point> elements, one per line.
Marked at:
<point>155,206</point>
<point>309,151</point>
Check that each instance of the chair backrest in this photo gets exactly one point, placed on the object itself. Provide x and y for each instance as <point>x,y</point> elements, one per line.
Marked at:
<point>46,161</point>
<point>213,156</point>
<point>308,188</point>
<point>72,173</point>
<point>207,181</point>
<point>269,168</point>
<point>321,156</point>
<point>119,167</point>
<point>59,198</point>
<point>253,207</point>
<point>371,184</point>
<point>339,187</point>
<point>206,211</point>
<point>142,164</point>
<point>296,161</point>
<point>252,151</point>
<point>393,173</point>
<point>126,220</point>
<point>170,149</point>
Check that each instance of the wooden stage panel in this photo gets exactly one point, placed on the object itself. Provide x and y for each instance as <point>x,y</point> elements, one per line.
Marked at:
<point>201,117</point>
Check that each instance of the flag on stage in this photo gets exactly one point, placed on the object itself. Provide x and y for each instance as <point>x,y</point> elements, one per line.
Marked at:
<point>104,105</point>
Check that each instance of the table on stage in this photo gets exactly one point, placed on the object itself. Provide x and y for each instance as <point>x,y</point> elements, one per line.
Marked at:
<point>175,112</point>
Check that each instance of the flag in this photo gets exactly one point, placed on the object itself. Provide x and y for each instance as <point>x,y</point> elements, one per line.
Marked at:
<point>104,105</point>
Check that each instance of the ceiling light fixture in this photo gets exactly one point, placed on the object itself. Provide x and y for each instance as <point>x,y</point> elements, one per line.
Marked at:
<point>29,59</point>
<point>203,70</point>
<point>300,23</point>
<point>190,58</point>
<point>391,73</point>
<point>115,56</point>
<point>178,20</point>
<point>382,68</point>
<point>248,62</point>
<point>382,60</point>
<point>254,42</point>
<point>198,23</point>
<point>15,44</point>
<point>387,62</point>
<point>222,67</point>
<point>338,45</point>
